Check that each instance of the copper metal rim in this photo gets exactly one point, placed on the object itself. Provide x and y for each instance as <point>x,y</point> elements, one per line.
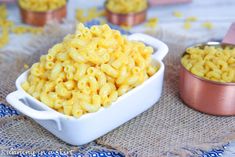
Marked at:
<point>207,96</point>
<point>41,18</point>
<point>130,19</point>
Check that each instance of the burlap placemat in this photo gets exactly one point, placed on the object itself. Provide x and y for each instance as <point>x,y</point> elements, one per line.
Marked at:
<point>167,129</point>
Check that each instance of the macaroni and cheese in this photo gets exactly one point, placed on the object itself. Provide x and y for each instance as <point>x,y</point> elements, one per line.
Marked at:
<point>89,70</point>
<point>210,62</point>
<point>126,6</point>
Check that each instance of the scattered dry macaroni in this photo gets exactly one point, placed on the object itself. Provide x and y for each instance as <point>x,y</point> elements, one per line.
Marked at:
<point>207,25</point>
<point>191,19</point>
<point>177,14</point>
<point>89,70</point>
<point>187,25</point>
<point>26,66</point>
<point>26,29</point>
<point>213,63</point>
<point>152,22</point>
<point>7,26</point>
<point>126,6</point>
<point>4,24</point>
<point>188,22</point>
<point>3,12</point>
<point>4,38</point>
<point>85,15</point>
<point>41,5</point>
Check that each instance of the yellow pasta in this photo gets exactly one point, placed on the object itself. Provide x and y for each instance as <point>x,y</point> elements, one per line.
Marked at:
<point>26,29</point>
<point>210,62</point>
<point>207,25</point>
<point>4,39</point>
<point>8,27</point>
<point>77,111</point>
<point>109,70</point>
<point>41,5</point>
<point>152,22</point>
<point>187,25</point>
<point>123,89</point>
<point>26,66</point>
<point>85,15</point>
<point>3,12</point>
<point>191,19</point>
<point>126,6</point>
<point>25,85</point>
<point>4,24</point>
<point>68,110</point>
<point>89,70</point>
<point>177,14</point>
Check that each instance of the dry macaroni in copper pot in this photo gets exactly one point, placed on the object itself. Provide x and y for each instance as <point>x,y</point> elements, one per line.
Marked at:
<point>212,63</point>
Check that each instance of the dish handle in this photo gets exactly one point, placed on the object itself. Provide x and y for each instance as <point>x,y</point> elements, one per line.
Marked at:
<point>14,99</point>
<point>161,47</point>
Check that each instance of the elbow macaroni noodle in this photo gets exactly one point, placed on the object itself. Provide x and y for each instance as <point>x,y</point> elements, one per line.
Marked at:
<point>152,22</point>
<point>126,6</point>
<point>75,79</point>
<point>41,5</point>
<point>212,63</point>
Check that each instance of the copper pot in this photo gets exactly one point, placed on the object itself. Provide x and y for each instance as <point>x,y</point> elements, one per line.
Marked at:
<point>129,19</point>
<point>207,96</point>
<point>41,18</point>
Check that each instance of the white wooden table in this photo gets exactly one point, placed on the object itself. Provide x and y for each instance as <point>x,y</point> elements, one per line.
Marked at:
<point>220,13</point>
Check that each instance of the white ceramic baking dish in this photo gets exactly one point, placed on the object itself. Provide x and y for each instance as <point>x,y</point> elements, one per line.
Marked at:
<point>79,131</point>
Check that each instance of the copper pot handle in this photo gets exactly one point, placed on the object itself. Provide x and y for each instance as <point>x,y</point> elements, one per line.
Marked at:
<point>230,36</point>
